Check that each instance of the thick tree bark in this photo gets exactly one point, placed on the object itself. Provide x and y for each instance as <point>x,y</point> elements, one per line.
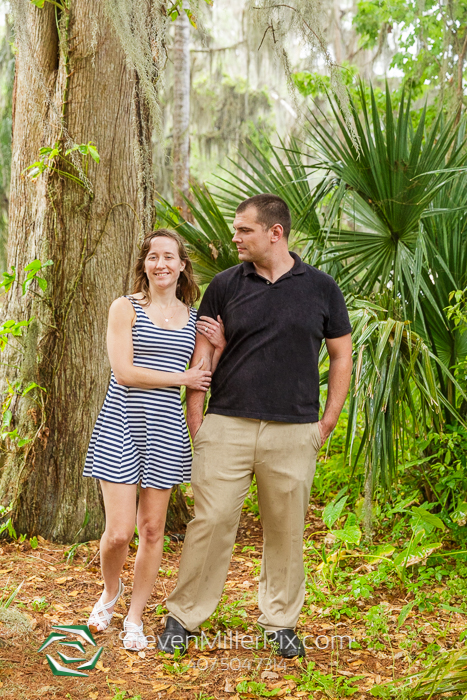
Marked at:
<point>92,241</point>
<point>181,111</point>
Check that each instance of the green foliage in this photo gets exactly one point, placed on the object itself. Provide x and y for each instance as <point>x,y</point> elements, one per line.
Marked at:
<point>6,414</point>
<point>377,629</point>
<point>5,601</point>
<point>8,279</point>
<point>333,510</point>
<point>8,527</point>
<point>177,667</point>
<point>251,501</point>
<point>390,183</point>
<point>63,6</point>
<point>176,8</point>
<point>13,330</point>
<point>229,615</point>
<point>314,681</point>
<point>458,311</point>
<point>430,37</point>
<point>255,689</point>
<point>33,269</point>
<point>39,604</point>
<point>50,157</point>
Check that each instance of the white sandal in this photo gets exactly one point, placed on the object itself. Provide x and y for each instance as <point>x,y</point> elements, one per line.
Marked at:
<point>100,615</point>
<point>133,634</point>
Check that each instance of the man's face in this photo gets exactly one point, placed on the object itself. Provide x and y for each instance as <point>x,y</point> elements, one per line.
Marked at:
<point>252,239</point>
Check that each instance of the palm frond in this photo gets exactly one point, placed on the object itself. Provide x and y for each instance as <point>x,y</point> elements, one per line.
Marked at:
<point>393,372</point>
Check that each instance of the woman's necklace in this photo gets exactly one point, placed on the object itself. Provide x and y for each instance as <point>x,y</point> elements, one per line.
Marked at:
<point>164,314</point>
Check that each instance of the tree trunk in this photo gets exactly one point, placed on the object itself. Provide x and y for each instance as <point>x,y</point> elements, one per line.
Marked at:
<point>66,91</point>
<point>181,112</point>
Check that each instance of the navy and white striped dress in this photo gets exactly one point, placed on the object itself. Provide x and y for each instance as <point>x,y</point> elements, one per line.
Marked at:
<point>141,434</point>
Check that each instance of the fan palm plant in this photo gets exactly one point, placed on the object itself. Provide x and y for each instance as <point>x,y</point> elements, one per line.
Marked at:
<point>401,233</point>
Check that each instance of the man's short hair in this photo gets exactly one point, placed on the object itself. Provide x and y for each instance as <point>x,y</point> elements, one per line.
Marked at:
<point>270,210</point>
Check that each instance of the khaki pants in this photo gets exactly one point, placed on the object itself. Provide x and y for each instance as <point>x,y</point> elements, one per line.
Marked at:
<point>227,452</point>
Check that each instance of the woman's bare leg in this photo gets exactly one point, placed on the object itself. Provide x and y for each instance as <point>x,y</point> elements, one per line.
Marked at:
<point>152,511</point>
<point>120,519</point>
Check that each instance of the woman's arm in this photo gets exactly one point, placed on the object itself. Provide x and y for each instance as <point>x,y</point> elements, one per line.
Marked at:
<point>120,350</point>
<point>214,331</point>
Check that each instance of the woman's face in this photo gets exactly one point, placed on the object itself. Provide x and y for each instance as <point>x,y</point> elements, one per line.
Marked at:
<point>163,265</point>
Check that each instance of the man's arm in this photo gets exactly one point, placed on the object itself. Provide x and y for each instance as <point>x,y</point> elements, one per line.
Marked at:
<point>340,370</point>
<point>195,399</point>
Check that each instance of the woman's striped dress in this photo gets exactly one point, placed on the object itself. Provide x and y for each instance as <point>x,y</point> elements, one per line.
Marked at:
<point>141,434</point>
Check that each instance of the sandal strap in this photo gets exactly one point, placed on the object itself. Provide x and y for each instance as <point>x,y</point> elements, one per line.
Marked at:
<point>100,612</point>
<point>133,633</point>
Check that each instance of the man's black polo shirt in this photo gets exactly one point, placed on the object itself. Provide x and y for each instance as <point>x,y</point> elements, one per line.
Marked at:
<point>269,368</point>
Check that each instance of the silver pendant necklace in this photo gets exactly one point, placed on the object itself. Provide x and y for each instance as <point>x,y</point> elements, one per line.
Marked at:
<point>170,317</point>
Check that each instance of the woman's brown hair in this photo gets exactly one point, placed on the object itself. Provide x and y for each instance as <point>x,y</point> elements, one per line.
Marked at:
<point>187,289</point>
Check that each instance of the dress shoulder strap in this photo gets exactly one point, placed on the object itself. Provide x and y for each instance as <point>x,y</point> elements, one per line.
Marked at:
<point>134,302</point>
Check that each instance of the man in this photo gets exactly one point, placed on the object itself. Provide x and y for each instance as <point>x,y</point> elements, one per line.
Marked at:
<point>262,419</point>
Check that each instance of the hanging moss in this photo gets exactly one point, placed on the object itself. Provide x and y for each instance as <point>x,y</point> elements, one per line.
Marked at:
<point>7,73</point>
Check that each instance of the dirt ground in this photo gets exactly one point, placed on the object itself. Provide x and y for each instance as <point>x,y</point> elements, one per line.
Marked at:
<point>65,593</point>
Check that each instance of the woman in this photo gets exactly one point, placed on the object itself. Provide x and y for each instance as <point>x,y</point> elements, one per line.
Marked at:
<point>141,435</point>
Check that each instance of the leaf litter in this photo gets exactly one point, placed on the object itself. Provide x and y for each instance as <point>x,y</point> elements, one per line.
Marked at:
<point>67,591</point>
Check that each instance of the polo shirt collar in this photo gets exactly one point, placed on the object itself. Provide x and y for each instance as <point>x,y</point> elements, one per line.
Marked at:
<point>298,268</point>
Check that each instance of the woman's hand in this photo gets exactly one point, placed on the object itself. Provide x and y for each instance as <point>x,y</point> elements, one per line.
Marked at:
<point>197,378</point>
<point>212,330</point>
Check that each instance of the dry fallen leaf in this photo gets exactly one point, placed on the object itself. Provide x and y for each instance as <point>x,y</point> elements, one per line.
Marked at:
<point>73,594</point>
<point>117,681</point>
<point>269,675</point>
<point>160,686</point>
<point>142,654</point>
<point>229,688</point>
<point>93,696</point>
<point>171,690</point>
<point>64,579</point>
<point>100,666</point>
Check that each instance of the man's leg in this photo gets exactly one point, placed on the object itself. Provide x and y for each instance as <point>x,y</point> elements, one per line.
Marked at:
<point>285,467</point>
<point>224,451</point>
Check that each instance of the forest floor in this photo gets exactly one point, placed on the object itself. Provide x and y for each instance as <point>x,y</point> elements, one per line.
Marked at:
<point>57,591</point>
